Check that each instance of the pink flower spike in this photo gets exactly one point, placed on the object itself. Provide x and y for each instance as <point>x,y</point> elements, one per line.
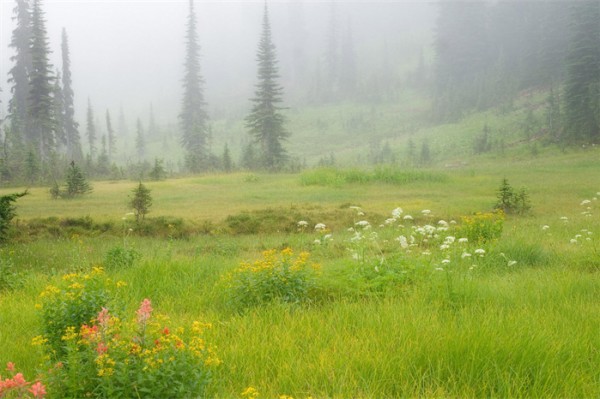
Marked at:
<point>10,366</point>
<point>145,310</point>
<point>38,390</point>
<point>19,380</point>
<point>103,317</point>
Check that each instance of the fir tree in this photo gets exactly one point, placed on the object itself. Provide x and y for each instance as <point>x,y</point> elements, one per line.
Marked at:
<point>7,212</point>
<point>112,148</point>
<point>76,182</point>
<point>193,117</point>
<point>582,87</point>
<point>265,122</point>
<point>158,172</point>
<point>70,126</point>
<point>141,202</point>
<point>227,163</point>
<point>18,106</point>
<point>90,130</point>
<point>41,80</point>
<point>59,114</point>
<point>140,142</point>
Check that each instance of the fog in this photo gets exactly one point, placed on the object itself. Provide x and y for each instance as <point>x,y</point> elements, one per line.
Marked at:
<point>129,54</point>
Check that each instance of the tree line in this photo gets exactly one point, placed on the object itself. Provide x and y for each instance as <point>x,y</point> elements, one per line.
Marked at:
<point>41,138</point>
<point>486,53</point>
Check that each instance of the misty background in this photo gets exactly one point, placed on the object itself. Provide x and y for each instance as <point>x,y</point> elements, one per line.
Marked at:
<point>130,54</point>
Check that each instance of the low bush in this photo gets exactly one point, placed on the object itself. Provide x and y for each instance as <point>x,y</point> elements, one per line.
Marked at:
<point>141,357</point>
<point>278,276</point>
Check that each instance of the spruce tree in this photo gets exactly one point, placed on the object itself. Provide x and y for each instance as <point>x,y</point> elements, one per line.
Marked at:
<point>140,142</point>
<point>76,182</point>
<point>59,114</point>
<point>112,148</point>
<point>70,126</point>
<point>193,117</point>
<point>141,202</point>
<point>18,106</point>
<point>265,122</point>
<point>582,86</point>
<point>91,130</point>
<point>41,133</point>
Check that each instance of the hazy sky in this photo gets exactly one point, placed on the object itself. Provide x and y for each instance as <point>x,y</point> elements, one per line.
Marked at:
<point>130,53</point>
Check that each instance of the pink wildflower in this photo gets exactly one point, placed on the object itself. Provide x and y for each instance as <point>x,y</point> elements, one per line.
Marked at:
<point>38,390</point>
<point>19,380</point>
<point>10,366</point>
<point>103,317</point>
<point>144,312</point>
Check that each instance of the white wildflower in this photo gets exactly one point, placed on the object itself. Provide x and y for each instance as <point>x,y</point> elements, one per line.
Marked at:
<point>390,220</point>
<point>426,212</point>
<point>480,251</point>
<point>397,212</point>
<point>363,223</point>
<point>407,217</point>
<point>317,242</point>
<point>446,261</point>
<point>585,202</point>
<point>403,241</point>
<point>564,218</point>
<point>573,241</point>
<point>449,239</point>
<point>453,222</point>
<point>320,227</point>
<point>512,263</point>
<point>465,255</point>
<point>463,240</point>
<point>443,247</point>
<point>443,223</point>
<point>545,227</point>
<point>439,269</point>
<point>302,223</point>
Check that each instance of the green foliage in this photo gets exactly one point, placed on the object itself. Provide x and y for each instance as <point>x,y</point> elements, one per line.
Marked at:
<point>282,276</point>
<point>7,212</point>
<point>74,302</point>
<point>120,258</point>
<point>510,201</point>
<point>9,277</point>
<point>141,357</point>
<point>482,227</point>
<point>141,202</point>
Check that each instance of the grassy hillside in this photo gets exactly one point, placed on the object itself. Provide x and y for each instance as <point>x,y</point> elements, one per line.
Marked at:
<point>454,302</point>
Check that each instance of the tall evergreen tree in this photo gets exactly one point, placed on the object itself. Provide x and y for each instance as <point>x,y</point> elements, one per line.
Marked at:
<point>582,86</point>
<point>265,122</point>
<point>41,133</point>
<point>91,130</point>
<point>140,142</point>
<point>193,117</point>
<point>112,145</point>
<point>59,114</point>
<point>70,126</point>
<point>18,106</point>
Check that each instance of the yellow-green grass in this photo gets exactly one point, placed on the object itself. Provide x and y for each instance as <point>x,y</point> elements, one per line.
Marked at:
<point>530,330</point>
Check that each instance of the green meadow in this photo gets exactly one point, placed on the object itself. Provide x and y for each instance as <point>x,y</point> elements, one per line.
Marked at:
<point>382,319</point>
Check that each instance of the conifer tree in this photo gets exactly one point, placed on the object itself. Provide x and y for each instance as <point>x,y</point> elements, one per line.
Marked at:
<point>76,182</point>
<point>265,122</point>
<point>140,142</point>
<point>70,126</point>
<point>227,162</point>
<point>193,117</point>
<point>18,106</point>
<point>112,148</point>
<point>59,114</point>
<point>141,202</point>
<point>582,86</point>
<point>91,130</point>
<point>41,133</point>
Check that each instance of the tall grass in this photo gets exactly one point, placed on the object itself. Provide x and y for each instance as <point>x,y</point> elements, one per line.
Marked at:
<point>528,329</point>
